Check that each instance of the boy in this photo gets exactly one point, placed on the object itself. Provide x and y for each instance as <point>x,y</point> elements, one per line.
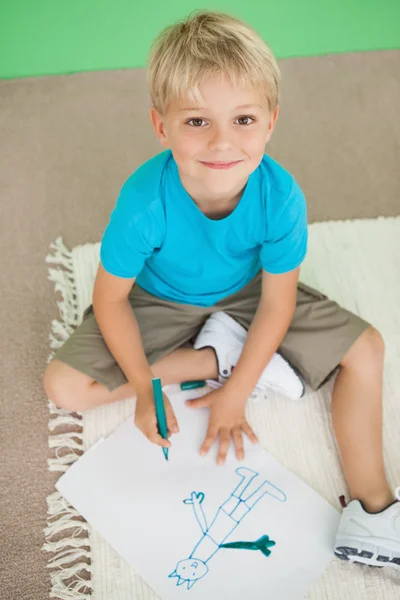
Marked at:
<point>205,242</point>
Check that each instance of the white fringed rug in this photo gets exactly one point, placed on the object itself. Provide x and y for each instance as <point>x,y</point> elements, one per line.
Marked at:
<point>356,263</point>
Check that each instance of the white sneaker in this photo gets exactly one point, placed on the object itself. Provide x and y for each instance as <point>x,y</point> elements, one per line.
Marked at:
<point>370,538</point>
<point>227,337</point>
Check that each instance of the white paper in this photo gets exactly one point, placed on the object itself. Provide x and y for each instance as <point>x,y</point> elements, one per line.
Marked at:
<point>134,498</point>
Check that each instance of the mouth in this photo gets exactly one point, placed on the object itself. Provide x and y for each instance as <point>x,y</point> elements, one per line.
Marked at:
<point>220,164</point>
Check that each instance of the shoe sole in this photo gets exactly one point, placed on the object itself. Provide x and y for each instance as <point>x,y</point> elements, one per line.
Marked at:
<point>368,554</point>
<point>297,372</point>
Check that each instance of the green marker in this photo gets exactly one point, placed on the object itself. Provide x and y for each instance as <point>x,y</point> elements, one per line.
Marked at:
<point>160,412</point>
<point>191,385</point>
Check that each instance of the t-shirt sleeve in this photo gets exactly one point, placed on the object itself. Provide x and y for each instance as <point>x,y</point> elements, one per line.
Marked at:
<point>132,234</point>
<point>285,246</point>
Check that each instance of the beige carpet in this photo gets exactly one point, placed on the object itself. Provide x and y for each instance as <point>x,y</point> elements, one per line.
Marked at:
<point>66,146</point>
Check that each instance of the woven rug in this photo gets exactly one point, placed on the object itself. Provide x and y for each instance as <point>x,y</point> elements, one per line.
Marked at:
<point>356,263</point>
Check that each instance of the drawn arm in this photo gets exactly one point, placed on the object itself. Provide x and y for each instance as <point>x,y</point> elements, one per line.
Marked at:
<point>196,500</point>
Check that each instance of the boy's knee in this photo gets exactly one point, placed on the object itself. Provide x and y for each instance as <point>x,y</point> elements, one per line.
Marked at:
<point>368,349</point>
<point>372,343</point>
<point>62,387</point>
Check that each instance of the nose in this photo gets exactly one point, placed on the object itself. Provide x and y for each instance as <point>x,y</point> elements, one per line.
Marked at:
<point>220,139</point>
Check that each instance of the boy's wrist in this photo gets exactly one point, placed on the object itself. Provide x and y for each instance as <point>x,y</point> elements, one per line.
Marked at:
<point>237,393</point>
<point>143,383</point>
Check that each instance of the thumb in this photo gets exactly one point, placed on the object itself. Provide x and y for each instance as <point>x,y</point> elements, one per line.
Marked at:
<point>199,402</point>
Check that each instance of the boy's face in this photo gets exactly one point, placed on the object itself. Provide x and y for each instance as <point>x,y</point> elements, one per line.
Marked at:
<point>232,125</point>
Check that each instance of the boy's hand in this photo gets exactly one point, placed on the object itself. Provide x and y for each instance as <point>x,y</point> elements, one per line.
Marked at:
<point>227,418</point>
<point>146,419</point>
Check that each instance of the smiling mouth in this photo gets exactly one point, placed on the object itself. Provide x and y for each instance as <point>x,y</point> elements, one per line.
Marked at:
<point>221,164</point>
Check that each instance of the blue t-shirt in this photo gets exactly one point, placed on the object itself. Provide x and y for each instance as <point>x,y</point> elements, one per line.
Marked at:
<point>157,233</point>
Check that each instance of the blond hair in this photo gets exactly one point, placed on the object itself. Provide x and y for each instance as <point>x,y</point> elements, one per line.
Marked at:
<point>209,43</point>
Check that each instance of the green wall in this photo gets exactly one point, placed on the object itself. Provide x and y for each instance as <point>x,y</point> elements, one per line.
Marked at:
<point>42,37</point>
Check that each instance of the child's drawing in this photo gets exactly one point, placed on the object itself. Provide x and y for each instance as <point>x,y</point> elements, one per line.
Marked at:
<point>226,520</point>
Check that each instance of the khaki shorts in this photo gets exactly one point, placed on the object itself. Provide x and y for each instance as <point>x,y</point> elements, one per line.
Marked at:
<point>319,336</point>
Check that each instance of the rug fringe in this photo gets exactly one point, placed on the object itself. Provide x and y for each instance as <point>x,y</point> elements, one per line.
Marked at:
<point>63,520</point>
<point>57,505</point>
<point>63,278</point>
<point>73,542</point>
<point>67,556</point>
<point>56,410</point>
<point>64,419</point>
<point>74,590</point>
<point>66,440</point>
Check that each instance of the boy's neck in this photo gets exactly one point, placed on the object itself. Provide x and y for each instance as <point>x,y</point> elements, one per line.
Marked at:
<point>217,207</point>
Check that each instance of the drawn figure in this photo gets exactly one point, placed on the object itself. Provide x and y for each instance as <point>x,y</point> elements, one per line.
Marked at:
<point>226,520</point>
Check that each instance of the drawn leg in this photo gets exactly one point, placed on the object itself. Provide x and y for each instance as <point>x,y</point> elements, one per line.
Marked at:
<point>233,501</point>
<point>245,505</point>
<point>237,506</point>
<point>266,488</point>
<point>247,476</point>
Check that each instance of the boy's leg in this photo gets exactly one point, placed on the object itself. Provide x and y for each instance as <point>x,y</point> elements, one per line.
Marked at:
<point>357,420</point>
<point>324,339</point>
<point>74,390</point>
<point>84,374</point>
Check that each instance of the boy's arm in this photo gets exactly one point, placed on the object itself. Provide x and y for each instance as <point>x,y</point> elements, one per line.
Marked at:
<point>268,328</point>
<point>120,329</point>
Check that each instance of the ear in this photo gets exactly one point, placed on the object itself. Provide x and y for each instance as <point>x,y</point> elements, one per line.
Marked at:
<point>159,127</point>
<point>174,574</point>
<point>272,121</point>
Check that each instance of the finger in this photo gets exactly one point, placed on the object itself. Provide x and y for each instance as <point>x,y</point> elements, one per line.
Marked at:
<point>249,432</point>
<point>238,441</point>
<point>224,441</point>
<point>172,422</point>
<point>156,438</point>
<point>199,402</point>
<point>211,436</point>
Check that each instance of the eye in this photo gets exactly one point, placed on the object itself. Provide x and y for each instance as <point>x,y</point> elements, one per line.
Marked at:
<point>244,118</point>
<point>197,122</point>
<point>194,120</point>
